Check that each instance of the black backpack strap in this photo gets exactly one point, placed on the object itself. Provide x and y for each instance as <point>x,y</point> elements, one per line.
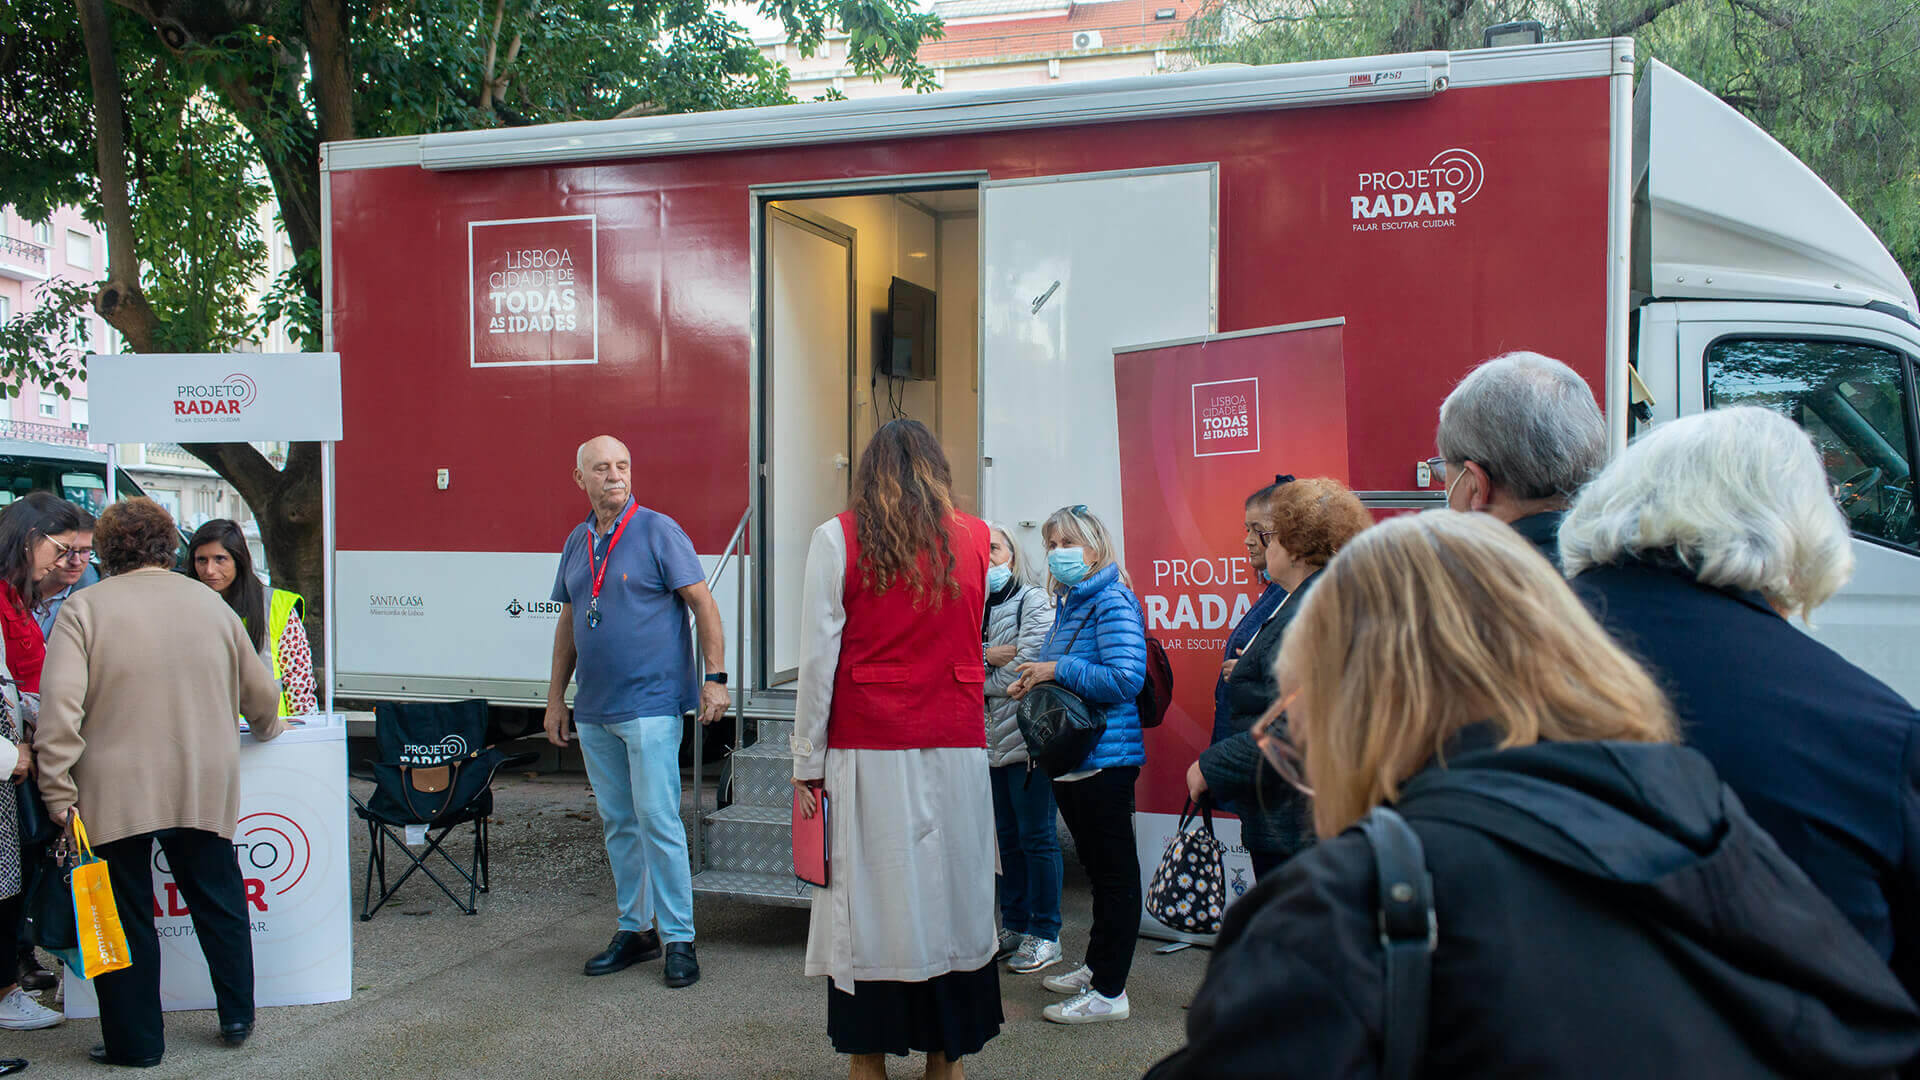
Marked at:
<point>1409,931</point>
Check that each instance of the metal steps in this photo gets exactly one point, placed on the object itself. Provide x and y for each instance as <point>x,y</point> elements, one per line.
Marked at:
<point>748,846</point>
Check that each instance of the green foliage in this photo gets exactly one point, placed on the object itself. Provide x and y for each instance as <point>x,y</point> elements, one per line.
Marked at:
<point>292,298</point>
<point>54,332</point>
<point>196,202</point>
<point>1836,81</point>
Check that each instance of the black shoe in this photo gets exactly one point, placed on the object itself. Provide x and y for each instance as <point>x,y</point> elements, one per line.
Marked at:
<point>628,947</point>
<point>99,1054</point>
<point>682,968</point>
<point>236,1033</point>
<point>32,975</point>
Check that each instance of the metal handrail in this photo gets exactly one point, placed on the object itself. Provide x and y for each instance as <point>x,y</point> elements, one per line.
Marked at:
<point>735,553</point>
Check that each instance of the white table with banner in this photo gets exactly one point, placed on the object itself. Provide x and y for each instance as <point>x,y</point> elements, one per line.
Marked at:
<point>292,847</point>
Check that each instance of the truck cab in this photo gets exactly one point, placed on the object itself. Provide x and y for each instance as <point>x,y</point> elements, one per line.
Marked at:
<point>1755,284</point>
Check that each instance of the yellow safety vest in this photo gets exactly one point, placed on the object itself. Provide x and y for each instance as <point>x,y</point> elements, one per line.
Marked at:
<point>285,605</point>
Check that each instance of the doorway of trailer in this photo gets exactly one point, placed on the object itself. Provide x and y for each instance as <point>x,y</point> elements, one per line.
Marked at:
<point>987,310</point>
<point>867,315</point>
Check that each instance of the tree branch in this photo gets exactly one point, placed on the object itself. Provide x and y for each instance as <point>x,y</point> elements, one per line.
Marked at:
<point>1626,27</point>
<point>119,300</point>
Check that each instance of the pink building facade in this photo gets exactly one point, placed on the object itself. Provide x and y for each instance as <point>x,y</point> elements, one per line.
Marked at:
<point>66,247</point>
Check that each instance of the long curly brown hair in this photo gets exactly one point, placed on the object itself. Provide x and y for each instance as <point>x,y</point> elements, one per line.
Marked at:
<point>903,507</point>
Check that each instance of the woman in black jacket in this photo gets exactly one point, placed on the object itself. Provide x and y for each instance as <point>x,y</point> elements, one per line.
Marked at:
<point>1311,521</point>
<point>1603,906</point>
<point>1694,548</point>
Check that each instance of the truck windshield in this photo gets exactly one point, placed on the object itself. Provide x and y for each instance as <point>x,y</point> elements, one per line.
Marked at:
<point>1852,399</point>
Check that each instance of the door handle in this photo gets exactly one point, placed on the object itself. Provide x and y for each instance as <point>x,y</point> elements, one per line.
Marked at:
<point>841,461</point>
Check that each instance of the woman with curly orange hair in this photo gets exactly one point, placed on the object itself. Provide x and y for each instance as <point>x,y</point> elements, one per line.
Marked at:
<point>889,727</point>
<point>1312,520</point>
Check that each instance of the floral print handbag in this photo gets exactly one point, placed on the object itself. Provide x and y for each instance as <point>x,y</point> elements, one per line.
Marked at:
<point>1189,888</point>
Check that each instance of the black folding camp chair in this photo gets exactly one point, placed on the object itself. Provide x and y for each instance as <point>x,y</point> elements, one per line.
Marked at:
<point>434,772</point>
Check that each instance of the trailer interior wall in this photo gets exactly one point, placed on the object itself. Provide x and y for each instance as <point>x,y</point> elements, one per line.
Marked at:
<point>1319,215</point>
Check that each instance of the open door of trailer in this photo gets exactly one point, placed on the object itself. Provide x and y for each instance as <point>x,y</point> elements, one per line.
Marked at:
<point>1072,266</point>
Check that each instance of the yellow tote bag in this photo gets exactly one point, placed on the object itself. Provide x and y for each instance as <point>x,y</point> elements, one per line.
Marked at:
<point>103,942</point>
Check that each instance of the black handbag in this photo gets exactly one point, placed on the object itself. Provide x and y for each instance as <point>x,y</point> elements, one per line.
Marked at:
<point>35,826</point>
<point>1060,727</point>
<point>1189,888</point>
<point>49,906</point>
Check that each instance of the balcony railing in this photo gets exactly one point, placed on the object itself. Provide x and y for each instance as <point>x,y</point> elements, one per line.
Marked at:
<point>43,433</point>
<point>25,252</point>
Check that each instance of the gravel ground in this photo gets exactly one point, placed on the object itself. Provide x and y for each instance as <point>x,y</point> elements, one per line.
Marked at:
<point>438,994</point>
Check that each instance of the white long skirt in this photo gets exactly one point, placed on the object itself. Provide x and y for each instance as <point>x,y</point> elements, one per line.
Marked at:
<point>910,867</point>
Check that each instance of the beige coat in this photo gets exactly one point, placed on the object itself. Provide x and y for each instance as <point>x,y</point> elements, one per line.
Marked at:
<point>145,674</point>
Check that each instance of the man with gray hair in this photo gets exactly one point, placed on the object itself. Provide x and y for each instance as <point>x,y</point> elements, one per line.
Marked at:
<point>1518,436</point>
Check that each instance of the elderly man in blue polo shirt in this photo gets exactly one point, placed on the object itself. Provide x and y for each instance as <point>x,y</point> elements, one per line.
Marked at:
<point>628,577</point>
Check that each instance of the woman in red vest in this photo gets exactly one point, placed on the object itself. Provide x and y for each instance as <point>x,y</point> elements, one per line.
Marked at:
<point>889,724</point>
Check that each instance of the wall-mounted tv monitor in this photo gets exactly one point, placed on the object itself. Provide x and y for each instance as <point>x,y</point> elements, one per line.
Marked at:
<point>910,332</point>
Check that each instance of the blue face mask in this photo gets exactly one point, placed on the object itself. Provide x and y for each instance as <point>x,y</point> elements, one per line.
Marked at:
<point>1069,565</point>
<point>998,576</point>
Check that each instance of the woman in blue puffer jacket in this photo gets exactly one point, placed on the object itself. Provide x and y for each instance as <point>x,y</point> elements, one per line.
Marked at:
<point>1098,649</point>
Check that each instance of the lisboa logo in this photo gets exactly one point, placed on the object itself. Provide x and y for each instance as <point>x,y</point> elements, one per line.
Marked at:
<point>514,610</point>
<point>274,847</point>
<point>1437,190</point>
<point>228,397</point>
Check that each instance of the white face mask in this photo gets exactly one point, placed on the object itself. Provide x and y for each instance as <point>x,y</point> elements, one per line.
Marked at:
<point>998,576</point>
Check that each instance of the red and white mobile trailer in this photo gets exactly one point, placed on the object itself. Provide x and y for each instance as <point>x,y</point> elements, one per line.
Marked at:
<point>716,290</point>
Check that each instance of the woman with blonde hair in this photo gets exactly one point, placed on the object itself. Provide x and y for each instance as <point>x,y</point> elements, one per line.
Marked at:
<point>1311,521</point>
<point>888,726</point>
<point>1602,906</point>
<point>1098,650</point>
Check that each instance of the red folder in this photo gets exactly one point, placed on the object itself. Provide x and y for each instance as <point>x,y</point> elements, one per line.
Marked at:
<point>810,842</point>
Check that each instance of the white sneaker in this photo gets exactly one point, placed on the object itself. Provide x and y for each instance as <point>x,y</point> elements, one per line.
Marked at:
<point>1089,1006</point>
<point>1011,941</point>
<point>1036,954</point>
<point>18,1012</point>
<point>1073,982</point>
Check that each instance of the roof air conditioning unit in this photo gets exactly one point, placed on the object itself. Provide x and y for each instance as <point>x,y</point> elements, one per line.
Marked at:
<point>1087,39</point>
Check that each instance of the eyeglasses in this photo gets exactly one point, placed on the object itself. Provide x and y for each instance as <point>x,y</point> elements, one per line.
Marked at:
<point>1270,734</point>
<point>1437,467</point>
<point>70,554</point>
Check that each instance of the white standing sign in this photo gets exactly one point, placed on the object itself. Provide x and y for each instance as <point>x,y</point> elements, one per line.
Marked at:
<point>214,397</point>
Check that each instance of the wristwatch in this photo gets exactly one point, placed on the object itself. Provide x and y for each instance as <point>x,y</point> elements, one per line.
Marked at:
<point>717,677</point>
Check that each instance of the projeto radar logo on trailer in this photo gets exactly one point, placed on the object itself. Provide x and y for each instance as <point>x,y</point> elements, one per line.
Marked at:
<point>225,400</point>
<point>1417,198</point>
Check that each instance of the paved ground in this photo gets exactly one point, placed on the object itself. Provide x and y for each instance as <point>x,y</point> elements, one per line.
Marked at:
<point>438,994</point>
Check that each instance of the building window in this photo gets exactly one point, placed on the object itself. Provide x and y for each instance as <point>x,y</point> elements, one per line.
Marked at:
<point>43,233</point>
<point>77,413</point>
<point>49,405</point>
<point>79,250</point>
<point>6,308</point>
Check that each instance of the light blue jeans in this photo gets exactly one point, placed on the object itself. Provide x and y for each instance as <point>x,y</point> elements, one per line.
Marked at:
<point>635,770</point>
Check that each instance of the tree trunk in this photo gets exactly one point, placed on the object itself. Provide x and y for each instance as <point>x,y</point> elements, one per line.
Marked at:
<point>119,300</point>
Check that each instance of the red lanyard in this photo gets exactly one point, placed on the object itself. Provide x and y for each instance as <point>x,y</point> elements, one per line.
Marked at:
<point>600,572</point>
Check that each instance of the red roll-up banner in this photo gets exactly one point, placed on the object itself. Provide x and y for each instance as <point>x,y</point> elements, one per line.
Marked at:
<point>1202,425</point>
